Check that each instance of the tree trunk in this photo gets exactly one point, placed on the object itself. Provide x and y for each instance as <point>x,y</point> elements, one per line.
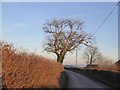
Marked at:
<point>91,61</point>
<point>60,58</point>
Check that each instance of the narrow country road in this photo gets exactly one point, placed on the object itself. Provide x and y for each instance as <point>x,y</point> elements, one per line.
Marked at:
<point>76,80</point>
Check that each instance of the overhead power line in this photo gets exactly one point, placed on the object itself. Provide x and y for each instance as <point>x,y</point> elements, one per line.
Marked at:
<point>106,18</point>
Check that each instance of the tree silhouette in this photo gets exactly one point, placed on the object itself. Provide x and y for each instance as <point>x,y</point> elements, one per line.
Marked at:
<point>65,35</point>
<point>92,55</point>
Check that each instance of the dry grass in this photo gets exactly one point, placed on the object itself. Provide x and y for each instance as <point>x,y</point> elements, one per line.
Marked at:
<point>112,68</point>
<point>21,69</point>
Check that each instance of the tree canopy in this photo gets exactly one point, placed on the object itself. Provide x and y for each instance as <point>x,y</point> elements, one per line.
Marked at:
<point>65,35</point>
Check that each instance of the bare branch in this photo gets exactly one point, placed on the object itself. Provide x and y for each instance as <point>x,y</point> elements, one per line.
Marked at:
<point>65,35</point>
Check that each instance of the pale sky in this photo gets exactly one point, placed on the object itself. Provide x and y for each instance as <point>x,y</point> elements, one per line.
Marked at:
<point>59,0</point>
<point>22,24</point>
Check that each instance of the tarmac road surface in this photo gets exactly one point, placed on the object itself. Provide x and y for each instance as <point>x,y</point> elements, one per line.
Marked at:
<point>75,80</point>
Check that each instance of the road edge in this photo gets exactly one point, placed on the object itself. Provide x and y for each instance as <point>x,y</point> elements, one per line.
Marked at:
<point>63,80</point>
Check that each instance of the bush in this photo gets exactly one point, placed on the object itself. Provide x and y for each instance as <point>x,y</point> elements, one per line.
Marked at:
<point>21,69</point>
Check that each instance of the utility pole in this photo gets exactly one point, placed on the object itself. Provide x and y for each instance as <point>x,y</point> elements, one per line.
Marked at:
<point>76,57</point>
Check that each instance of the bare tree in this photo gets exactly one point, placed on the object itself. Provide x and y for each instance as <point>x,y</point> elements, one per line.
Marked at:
<point>105,62</point>
<point>65,35</point>
<point>91,55</point>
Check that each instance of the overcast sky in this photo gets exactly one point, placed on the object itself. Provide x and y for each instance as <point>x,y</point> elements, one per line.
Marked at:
<point>22,24</point>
